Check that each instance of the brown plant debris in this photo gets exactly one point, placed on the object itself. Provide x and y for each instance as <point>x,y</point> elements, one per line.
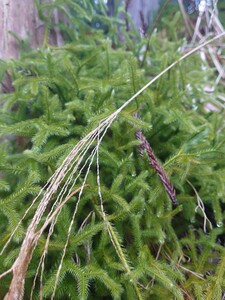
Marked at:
<point>145,146</point>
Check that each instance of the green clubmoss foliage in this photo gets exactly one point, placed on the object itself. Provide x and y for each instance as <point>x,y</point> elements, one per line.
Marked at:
<point>150,248</point>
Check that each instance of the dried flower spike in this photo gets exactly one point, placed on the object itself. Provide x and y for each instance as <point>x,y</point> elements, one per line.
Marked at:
<point>156,165</point>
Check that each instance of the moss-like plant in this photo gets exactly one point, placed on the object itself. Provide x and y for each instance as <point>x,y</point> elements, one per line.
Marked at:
<point>127,240</point>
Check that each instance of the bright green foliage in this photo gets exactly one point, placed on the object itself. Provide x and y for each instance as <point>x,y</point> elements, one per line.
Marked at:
<point>151,249</point>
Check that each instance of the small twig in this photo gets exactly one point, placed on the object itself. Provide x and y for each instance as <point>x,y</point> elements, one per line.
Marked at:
<point>201,207</point>
<point>158,252</point>
<point>196,31</point>
<point>202,9</point>
<point>84,222</point>
<point>213,12</point>
<point>198,275</point>
<point>6,273</point>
